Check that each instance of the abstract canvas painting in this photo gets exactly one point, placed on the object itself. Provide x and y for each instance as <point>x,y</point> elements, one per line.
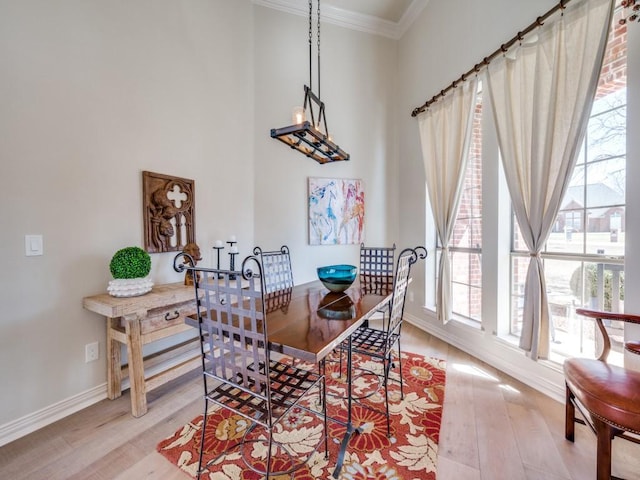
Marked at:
<point>336,211</point>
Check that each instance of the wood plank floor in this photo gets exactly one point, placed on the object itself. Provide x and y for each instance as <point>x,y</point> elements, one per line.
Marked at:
<point>493,428</point>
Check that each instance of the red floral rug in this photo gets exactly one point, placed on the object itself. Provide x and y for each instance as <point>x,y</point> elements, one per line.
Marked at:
<point>410,453</point>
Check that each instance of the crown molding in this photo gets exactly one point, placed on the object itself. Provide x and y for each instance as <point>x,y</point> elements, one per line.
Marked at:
<point>415,8</point>
<point>352,20</point>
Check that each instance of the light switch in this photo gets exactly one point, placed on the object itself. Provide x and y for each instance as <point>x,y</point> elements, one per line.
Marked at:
<point>33,245</point>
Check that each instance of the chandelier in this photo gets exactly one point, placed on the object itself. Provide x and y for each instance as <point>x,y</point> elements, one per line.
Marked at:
<point>310,136</point>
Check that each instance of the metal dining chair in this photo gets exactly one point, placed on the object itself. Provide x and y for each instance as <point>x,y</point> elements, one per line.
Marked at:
<point>376,268</point>
<point>277,281</point>
<point>238,372</point>
<point>276,269</point>
<point>380,343</point>
<point>376,272</point>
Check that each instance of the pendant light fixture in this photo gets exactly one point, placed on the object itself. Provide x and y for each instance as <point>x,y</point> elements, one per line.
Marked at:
<point>310,136</point>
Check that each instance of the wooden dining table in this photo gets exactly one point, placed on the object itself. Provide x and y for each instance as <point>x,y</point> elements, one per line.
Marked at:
<point>316,321</point>
<point>307,322</point>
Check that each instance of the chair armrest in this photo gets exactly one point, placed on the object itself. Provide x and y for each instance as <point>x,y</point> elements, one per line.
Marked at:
<point>598,316</point>
<point>622,317</point>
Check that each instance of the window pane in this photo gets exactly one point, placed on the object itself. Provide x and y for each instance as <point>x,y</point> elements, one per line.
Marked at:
<point>466,284</point>
<point>606,133</point>
<point>606,182</point>
<point>462,233</point>
<point>466,244</point>
<point>608,236</point>
<point>572,285</point>
<point>568,235</point>
<point>519,266</point>
<point>574,196</point>
<point>614,97</point>
<point>518,241</point>
<point>461,299</point>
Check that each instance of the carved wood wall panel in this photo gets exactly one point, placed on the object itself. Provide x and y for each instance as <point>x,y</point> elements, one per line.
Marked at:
<point>169,212</point>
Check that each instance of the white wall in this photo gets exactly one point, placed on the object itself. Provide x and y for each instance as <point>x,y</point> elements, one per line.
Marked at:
<point>446,40</point>
<point>93,93</point>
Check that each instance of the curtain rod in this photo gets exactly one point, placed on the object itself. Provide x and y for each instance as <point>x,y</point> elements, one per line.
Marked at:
<point>486,60</point>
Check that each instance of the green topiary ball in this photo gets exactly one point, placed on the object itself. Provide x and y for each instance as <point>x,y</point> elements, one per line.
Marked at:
<point>130,262</point>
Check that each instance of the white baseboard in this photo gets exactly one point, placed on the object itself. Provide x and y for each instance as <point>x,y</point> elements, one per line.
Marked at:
<point>30,423</point>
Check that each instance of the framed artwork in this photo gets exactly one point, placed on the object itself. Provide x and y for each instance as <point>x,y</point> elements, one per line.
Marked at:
<point>169,212</point>
<point>336,211</point>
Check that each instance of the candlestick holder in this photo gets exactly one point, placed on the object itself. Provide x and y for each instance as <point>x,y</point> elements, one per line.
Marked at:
<point>232,261</point>
<point>217,249</point>
<point>233,251</point>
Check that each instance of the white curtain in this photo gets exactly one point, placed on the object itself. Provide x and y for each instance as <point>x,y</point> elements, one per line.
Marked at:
<point>541,93</point>
<point>445,132</point>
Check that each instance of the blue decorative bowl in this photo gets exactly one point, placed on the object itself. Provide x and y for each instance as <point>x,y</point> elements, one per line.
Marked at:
<point>337,278</point>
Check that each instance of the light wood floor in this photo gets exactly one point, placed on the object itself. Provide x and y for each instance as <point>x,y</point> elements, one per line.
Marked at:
<point>493,428</point>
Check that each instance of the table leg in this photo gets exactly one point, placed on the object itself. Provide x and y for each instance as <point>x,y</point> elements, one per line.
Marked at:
<point>350,428</point>
<point>136,365</point>
<point>114,362</point>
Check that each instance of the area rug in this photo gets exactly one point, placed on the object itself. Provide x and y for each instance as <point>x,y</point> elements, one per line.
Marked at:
<point>410,453</point>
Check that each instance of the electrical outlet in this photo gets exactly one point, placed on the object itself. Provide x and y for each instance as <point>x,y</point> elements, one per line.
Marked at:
<point>411,296</point>
<point>91,352</point>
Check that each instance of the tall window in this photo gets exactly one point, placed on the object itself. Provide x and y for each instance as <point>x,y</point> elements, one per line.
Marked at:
<point>466,244</point>
<point>584,255</point>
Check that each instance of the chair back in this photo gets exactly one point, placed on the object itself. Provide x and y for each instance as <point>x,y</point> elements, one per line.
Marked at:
<point>278,300</point>
<point>233,334</point>
<point>276,269</point>
<point>406,259</point>
<point>376,269</point>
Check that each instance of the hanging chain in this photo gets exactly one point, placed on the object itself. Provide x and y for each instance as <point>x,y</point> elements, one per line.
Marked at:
<point>319,96</point>
<point>310,43</point>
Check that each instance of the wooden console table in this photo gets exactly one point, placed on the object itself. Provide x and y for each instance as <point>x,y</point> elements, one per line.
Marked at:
<point>136,321</point>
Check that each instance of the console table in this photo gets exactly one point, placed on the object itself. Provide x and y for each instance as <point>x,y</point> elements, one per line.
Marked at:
<point>136,321</point>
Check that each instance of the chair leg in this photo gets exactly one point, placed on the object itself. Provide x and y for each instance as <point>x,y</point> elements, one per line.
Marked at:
<point>202,434</point>
<point>386,367</point>
<point>604,432</point>
<point>269,453</point>
<point>400,365</point>
<point>326,428</point>
<point>321,387</point>
<point>569,415</point>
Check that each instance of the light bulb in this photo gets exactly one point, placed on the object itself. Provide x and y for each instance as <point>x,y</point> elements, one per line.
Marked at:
<point>298,115</point>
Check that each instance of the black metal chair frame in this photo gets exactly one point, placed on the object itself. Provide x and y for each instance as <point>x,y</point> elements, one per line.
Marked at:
<point>380,343</point>
<point>238,372</point>
<point>276,269</point>
<point>376,272</point>
<point>376,268</point>
<point>278,284</point>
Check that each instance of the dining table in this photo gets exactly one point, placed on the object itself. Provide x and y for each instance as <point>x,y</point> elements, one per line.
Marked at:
<point>308,321</point>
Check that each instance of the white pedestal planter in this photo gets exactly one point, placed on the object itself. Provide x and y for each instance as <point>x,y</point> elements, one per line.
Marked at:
<point>129,287</point>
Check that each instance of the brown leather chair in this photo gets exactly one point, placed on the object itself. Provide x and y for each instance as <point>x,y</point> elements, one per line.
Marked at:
<point>607,396</point>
